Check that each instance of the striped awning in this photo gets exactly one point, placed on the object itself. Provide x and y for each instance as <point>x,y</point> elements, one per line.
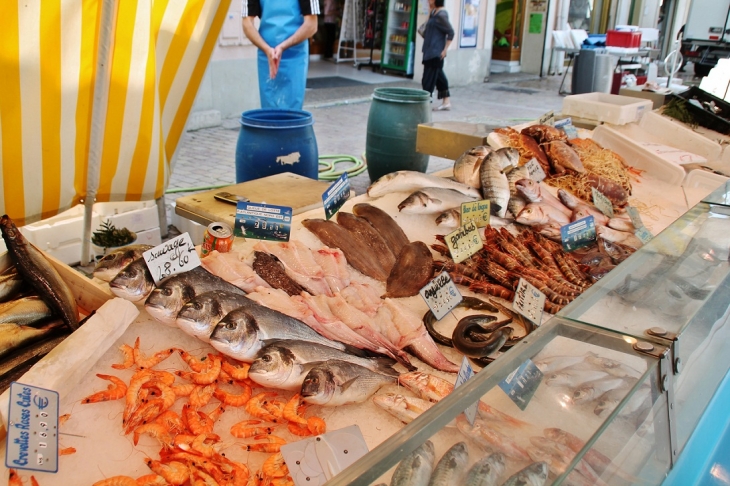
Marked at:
<point>48,68</point>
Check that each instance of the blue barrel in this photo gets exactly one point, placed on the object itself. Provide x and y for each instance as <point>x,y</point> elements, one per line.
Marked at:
<point>272,141</point>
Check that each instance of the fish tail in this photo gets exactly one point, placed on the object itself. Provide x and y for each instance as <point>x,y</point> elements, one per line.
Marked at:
<point>360,353</point>
<point>384,366</point>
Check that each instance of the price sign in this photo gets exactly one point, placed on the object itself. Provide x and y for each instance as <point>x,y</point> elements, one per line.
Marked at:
<point>643,234</point>
<point>635,217</point>
<point>547,119</point>
<point>566,124</point>
<point>32,440</point>
<point>464,242</point>
<point>177,255</point>
<point>529,301</point>
<point>578,233</point>
<point>263,221</point>
<point>537,174</point>
<point>441,295</point>
<point>466,372</point>
<point>336,195</point>
<point>477,211</point>
<point>521,384</point>
<point>603,203</point>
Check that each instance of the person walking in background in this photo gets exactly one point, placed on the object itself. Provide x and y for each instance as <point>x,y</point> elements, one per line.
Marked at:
<point>436,40</point>
<point>283,56</point>
<point>331,12</point>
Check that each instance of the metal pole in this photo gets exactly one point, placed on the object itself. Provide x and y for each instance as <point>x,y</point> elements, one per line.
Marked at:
<point>98,116</point>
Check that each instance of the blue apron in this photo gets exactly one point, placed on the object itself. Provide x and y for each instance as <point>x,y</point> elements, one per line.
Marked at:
<point>279,20</point>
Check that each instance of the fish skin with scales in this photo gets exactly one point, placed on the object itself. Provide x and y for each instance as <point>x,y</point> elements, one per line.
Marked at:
<point>416,468</point>
<point>113,262</point>
<point>335,382</point>
<point>451,467</point>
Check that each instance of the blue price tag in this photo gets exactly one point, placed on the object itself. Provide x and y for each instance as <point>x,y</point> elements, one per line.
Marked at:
<point>263,221</point>
<point>465,373</point>
<point>578,234</point>
<point>32,440</point>
<point>522,383</point>
<point>336,195</point>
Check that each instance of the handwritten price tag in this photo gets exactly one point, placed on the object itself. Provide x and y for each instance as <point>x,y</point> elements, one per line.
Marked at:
<point>174,256</point>
<point>465,373</point>
<point>529,301</point>
<point>464,242</point>
<point>635,217</point>
<point>441,295</point>
<point>477,211</point>
<point>336,195</point>
<point>537,174</point>
<point>32,440</point>
<point>547,119</point>
<point>603,203</point>
<point>521,384</point>
<point>263,221</point>
<point>578,234</point>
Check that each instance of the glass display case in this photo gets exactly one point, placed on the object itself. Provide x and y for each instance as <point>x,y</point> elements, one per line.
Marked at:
<point>573,404</point>
<point>399,36</point>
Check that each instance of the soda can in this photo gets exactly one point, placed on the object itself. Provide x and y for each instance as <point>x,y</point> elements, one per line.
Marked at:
<point>217,236</point>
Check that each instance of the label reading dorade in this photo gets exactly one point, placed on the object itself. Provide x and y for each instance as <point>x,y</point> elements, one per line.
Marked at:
<point>263,221</point>
<point>174,256</point>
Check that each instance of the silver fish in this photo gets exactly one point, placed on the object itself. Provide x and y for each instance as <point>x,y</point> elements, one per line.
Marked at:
<point>536,214</point>
<point>244,331</point>
<point>533,475</point>
<point>336,382</point>
<point>614,367</point>
<point>536,192</point>
<point>495,186</point>
<point>486,471</point>
<point>409,181</point>
<point>10,283</point>
<point>608,401</point>
<point>432,200</point>
<point>451,218</point>
<point>112,263</point>
<point>516,201</point>
<point>285,364</point>
<point>166,301</point>
<point>404,408</point>
<point>134,282</point>
<point>415,469</point>
<point>24,311</point>
<point>573,377</point>
<point>466,167</point>
<point>555,363</point>
<point>451,467</point>
<point>623,237</point>
<point>593,389</point>
<point>13,336</point>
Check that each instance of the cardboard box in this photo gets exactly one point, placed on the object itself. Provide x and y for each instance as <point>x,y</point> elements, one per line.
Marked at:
<point>450,139</point>
<point>659,99</point>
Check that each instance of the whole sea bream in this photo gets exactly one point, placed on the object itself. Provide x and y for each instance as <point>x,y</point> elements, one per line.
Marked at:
<point>466,167</point>
<point>113,262</point>
<point>134,282</point>
<point>495,186</point>
<point>336,382</point>
<point>409,181</point>
<point>433,200</point>
<point>415,469</point>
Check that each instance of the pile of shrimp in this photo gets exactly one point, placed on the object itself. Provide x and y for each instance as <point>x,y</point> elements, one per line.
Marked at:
<point>190,449</point>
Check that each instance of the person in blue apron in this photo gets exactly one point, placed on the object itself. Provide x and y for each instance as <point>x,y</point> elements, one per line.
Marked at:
<point>282,39</point>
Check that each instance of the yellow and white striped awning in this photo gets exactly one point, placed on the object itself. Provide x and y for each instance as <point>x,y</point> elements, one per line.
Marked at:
<point>48,69</point>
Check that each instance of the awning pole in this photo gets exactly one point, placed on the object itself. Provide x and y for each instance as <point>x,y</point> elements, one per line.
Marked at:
<point>98,117</point>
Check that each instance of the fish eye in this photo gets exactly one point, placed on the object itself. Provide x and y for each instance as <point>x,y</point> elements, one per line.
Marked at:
<point>315,381</point>
<point>266,358</point>
<point>166,291</point>
<point>230,326</point>
<point>197,305</point>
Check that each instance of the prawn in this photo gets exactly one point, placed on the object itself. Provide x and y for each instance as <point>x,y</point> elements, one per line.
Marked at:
<point>200,445</point>
<point>151,480</point>
<point>290,410</point>
<point>234,400</point>
<point>144,414</point>
<point>197,422</point>
<point>316,425</point>
<point>63,418</point>
<point>174,472</point>
<point>201,395</point>
<point>275,408</point>
<point>156,430</point>
<point>194,363</point>
<point>244,430</point>
<point>33,481</point>
<point>115,391</point>
<point>300,430</point>
<point>117,481</point>
<point>210,372</point>
<point>143,362</point>
<point>171,421</point>
<point>274,466</point>
<point>238,373</point>
<point>128,358</point>
<point>255,407</point>
<point>183,390</point>
<point>14,478</point>
<point>272,443</point>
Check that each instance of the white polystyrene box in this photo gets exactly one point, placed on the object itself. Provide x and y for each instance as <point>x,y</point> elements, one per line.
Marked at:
<point>135,216</point>
<point>61,230</point>
<point>184,225</point>
<point>607,108</point>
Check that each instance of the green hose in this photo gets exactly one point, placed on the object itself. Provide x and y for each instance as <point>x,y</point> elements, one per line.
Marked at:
<point>196,189</point>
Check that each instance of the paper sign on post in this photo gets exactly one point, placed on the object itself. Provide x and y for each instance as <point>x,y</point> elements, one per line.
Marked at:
<point>547,119</point>
<point>536,171</point>
<point>529,301</point>
<point>466,372</point>
<point>441,295</point>
<point>521,384</point>
<point>578,234</point>
<point>464,242</point>
<point>263,221</point>
<point>32,440</point>
<point>336,195</point>
<point>603,203</point>
<point>174,256</point>
<point>635,217</point>
<point>477,211</point>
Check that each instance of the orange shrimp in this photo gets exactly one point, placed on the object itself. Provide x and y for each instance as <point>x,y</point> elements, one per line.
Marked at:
<point>210,372</point>
<point>128,358</point>
<point>201,446</point>
<point>290,410</point>
<point>174,472</point>
<point>216,413</point>
<point>171,421</point>
<point>66,451</point>
<point>316,425</point>
<point>115,391</point>
<point>238,373</point>
<point>144,414</point>
<point>244,430</point>
<point>14,478</point>
<point>300,430</point>
<point>144,362</point>
<point>194,363</point>
<point>239,400</point>
<point>240,473</point>
<point>156,430</point>
<point>274,466</point>
<point>151,480</point>
<point>255,407</point>
<point>204,479</point>
<point>198,422</point>
<point>202,394</point>
<point>63,418</point>
<point>287,481</point>
<point>272,443</point>
<point>33,481</point>
<point>117,481</point>
<point>135,385</point>
<point>184,390</point>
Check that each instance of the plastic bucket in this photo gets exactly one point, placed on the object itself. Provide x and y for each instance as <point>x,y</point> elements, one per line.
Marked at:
<point>272,141</point>
<point>395,114</point>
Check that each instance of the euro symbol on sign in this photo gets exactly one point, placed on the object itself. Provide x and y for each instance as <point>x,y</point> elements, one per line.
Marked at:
<point>40,402</point>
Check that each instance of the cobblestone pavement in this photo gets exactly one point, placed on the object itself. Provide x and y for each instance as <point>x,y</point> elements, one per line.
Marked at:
<point>207,157</point>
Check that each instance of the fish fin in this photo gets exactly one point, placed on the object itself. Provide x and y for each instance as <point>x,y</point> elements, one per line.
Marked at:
<point>496,208</point>
<point>361,353</point>
<point>385,366</point>
<point>435,200</point>
<point>348,383</point>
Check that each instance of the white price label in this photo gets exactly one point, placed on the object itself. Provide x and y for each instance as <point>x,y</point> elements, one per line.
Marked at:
<point>547,119</point>
<point>603,203</point>
<point>465,373</point>
<point>32,437</point>
<point>441,295</point>
<point>536,171</point>
<point>643,234</point>
<point>464,242</point>
<point>529,301</point>
<point>635,217</point>
<point>177,255</point>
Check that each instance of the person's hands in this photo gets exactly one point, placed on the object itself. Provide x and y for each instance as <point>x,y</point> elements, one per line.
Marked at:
<point>274,56</point>
<point>443,53</point>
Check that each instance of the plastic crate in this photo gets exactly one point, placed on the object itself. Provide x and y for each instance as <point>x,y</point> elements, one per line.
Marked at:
<point>621,38</point>
<point>604,107</point>
<point>703,117</point>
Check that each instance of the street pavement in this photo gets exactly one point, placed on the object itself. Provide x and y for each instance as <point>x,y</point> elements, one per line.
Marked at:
<point>206,157</point>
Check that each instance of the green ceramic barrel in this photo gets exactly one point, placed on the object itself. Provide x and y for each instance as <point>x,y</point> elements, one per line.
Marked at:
<point>392,127</point>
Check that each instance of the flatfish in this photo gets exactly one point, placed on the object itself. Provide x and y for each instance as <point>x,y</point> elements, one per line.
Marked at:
<point>412,270</point>
<point>360,228</point>
<point>384,224</point>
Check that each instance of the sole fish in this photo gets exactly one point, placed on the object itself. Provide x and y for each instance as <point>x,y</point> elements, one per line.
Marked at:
<point>495,186</point>
<point>486,471</point>
<point>384,224</point>
<point>112,263</point>
<point>412,270</point>
<point>451,467</point>
<point>38,272</point>
<point>416,468</point>
<point>409,181</point>
<point>361,229</point>
<point>433,200</point>
<point>336,382</point>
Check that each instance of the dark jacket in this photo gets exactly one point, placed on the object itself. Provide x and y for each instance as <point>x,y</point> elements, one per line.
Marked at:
<point>438,30</point>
